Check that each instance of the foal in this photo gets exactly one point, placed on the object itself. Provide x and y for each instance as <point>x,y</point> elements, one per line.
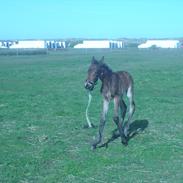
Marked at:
<point>114,86</point>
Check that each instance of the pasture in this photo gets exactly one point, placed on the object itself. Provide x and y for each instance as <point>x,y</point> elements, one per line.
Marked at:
<point>42,113</point>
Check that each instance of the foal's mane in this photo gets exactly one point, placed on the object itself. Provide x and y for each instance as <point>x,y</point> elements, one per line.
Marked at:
<point>105,68</point>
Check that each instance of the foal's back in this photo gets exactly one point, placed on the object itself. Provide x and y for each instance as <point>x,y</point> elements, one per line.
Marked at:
<point>122,81</point>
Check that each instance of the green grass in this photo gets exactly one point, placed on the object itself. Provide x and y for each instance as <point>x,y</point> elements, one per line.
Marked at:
<point>42,112</point>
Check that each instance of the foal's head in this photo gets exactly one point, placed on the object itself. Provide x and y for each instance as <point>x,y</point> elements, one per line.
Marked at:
<point>93,73</point>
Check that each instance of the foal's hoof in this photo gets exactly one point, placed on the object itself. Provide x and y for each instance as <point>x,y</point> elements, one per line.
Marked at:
<point>93,147</point>
<point>103,145</point>
<point>124,142</point>
<point>126,133</point>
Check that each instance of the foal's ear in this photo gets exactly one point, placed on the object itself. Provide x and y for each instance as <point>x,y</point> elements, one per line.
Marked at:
<point>94,61</point>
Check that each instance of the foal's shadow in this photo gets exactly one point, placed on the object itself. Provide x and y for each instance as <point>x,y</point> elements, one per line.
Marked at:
<point>136,127</point>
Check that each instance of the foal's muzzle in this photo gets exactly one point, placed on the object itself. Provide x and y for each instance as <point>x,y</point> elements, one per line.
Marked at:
<point>89,85</point>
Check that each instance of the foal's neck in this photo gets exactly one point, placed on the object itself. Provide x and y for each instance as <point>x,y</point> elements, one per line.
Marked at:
<point>106,82</point>
<point>106,77</point>
<point>106,73</point>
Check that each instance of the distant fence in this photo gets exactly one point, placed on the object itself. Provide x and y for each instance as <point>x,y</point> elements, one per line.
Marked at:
<point>9,52</point>
<point>72,51</point>
<point>45,51</point>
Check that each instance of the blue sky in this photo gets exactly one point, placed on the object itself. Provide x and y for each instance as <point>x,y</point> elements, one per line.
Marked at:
<point>34,19</point>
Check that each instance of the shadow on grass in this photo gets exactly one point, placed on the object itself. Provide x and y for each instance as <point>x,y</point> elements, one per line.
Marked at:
<point>136,127</point>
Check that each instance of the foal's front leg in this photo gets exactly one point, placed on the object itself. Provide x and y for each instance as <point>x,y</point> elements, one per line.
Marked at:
<point>102,123</point>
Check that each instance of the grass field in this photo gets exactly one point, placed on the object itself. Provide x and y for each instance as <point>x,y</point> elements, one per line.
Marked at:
<point>42,112</point>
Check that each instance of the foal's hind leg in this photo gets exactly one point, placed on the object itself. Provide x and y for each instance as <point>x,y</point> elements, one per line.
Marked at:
<point>123,108</point>
<point>131,110</point>
<point>117,120</point>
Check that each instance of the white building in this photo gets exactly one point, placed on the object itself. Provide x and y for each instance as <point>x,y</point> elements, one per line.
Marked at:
<point>5,44</point>
<point>1,45</point>
<point>160,44</point>
<point>28,44</point>
<point>55,44</point>
<point>100,44</point>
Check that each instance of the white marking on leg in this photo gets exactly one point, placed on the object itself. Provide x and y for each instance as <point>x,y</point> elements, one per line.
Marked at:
<point>131,110</point>
<point>105,108</point>
<point>130,97</point>
<point>129,92</point>
<point>116,106</point>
